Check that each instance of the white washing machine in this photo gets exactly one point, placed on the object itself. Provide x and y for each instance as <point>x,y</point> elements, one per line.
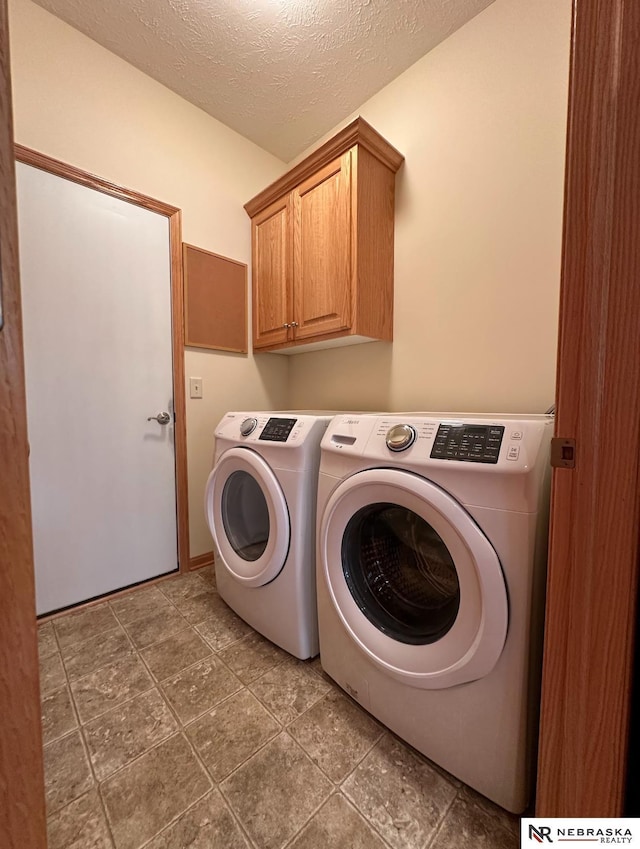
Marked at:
<point>260,504</point>
<point>432,541</point>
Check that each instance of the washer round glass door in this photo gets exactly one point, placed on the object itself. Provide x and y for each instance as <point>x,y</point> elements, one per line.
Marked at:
<point>414,580</point>
<point>248,517</point>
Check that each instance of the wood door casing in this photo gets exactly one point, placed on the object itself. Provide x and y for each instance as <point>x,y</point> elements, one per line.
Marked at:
<point>323,275</point>
<point>591,616</point>
<point>22,808</point>
<point>271,274</point>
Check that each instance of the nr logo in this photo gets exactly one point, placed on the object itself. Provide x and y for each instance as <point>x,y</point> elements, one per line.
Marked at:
<point>540,833</point>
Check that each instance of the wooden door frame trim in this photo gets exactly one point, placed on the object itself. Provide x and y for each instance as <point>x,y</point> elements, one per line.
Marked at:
<point>593,564</point>
<point>69,172</point>
<point>22,798</point>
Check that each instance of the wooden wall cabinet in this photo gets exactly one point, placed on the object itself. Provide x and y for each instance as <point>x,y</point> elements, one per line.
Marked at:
<point>322,247</point>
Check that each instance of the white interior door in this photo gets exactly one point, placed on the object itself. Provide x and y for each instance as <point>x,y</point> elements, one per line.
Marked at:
<point>96,296</point>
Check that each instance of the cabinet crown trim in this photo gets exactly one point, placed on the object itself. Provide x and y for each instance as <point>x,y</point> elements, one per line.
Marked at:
<point>358,132</point>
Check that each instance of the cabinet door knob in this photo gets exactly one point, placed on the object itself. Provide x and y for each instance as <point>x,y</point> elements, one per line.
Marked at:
<point>286,325</point>
<point>294,324</point>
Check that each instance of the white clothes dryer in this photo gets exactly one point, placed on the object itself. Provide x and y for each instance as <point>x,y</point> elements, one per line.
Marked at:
<point>432,540</point>
<point>260,505</point>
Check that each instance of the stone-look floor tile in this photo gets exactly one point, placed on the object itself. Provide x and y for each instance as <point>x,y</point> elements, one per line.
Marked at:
<point>229,734</point>
<point>84,624</point>
<point>336,734</point>
<point>252,656</point>
<point>289,689</point>
<point>467,826</point>
<point>448,776</point>
<point>223,629</point>
<point>507,820</point>
<point>316,664</point>
<point>337,824</point>
<point>58,716</point>
<point>208,575</point>
<point>82,659</point>
<point>197,608</point>
<point>402,797</point>
<point>155,626</point>
<point>208,825</point>
<point>145,796</point>
<point>182,586</point>
<point>272,811</point>
<point>175,654</point>
<point>200,688</point>
<point>47,643</point>
<point>66,772</point>
<point>52,675</point>
<point>81,825</point>
<point>110,686</point>
<point>119,736</point>
<point>236,737</point>
<point>139,603</point>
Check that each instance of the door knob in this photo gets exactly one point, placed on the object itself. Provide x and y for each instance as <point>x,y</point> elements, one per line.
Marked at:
<point>161,418</point>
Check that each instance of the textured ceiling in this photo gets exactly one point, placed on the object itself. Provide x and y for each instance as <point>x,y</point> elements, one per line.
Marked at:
<point>280,72</point>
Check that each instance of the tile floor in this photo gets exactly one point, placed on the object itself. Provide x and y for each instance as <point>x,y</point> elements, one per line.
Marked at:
<point>168,723</point>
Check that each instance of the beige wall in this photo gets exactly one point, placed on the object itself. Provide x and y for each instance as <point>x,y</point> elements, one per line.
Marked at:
<point>481,121</point>
<point>77,102</point>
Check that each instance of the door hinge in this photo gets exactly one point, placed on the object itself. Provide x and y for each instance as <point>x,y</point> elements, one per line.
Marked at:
<point>563,453</point>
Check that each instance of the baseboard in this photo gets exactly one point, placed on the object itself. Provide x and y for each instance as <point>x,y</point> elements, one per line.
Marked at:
<point>201,560</point>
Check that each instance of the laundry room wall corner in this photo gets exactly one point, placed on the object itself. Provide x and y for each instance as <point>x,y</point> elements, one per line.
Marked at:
<point>81,104</point>
<point>481,121</point>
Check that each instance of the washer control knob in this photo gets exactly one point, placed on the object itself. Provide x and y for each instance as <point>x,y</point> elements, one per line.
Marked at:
<point>400,437</point>
<point>248,426</point>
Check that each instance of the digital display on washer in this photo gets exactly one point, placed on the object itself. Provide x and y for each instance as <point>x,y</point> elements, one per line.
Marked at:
<point>277,430</point>
<point>468,443</point>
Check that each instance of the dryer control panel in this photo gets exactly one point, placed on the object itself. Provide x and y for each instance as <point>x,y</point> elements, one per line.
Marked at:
<point>284,437</point>
<point>470,443</point>
<point>277,429</point>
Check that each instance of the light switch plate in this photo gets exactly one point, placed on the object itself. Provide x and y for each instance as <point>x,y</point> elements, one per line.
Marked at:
<point>195,387</point>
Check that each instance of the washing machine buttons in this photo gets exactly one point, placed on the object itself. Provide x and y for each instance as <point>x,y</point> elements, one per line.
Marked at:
<point>248,426</point>
<point>400,437</point>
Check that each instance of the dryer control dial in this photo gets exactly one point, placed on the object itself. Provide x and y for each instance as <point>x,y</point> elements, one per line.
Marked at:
<point>247,426</point>
<point>400,437</point>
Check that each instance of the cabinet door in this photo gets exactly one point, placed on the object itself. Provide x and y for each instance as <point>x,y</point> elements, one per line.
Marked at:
<point>271,274</point>
<point>322,276</point>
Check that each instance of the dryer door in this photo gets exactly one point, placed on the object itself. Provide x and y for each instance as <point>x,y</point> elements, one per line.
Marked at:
<point>248,517</point>
<point>416,583</point>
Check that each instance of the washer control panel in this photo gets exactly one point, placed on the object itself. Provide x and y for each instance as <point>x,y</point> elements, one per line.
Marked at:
<point>469,443</point>
<point>277,429</point>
